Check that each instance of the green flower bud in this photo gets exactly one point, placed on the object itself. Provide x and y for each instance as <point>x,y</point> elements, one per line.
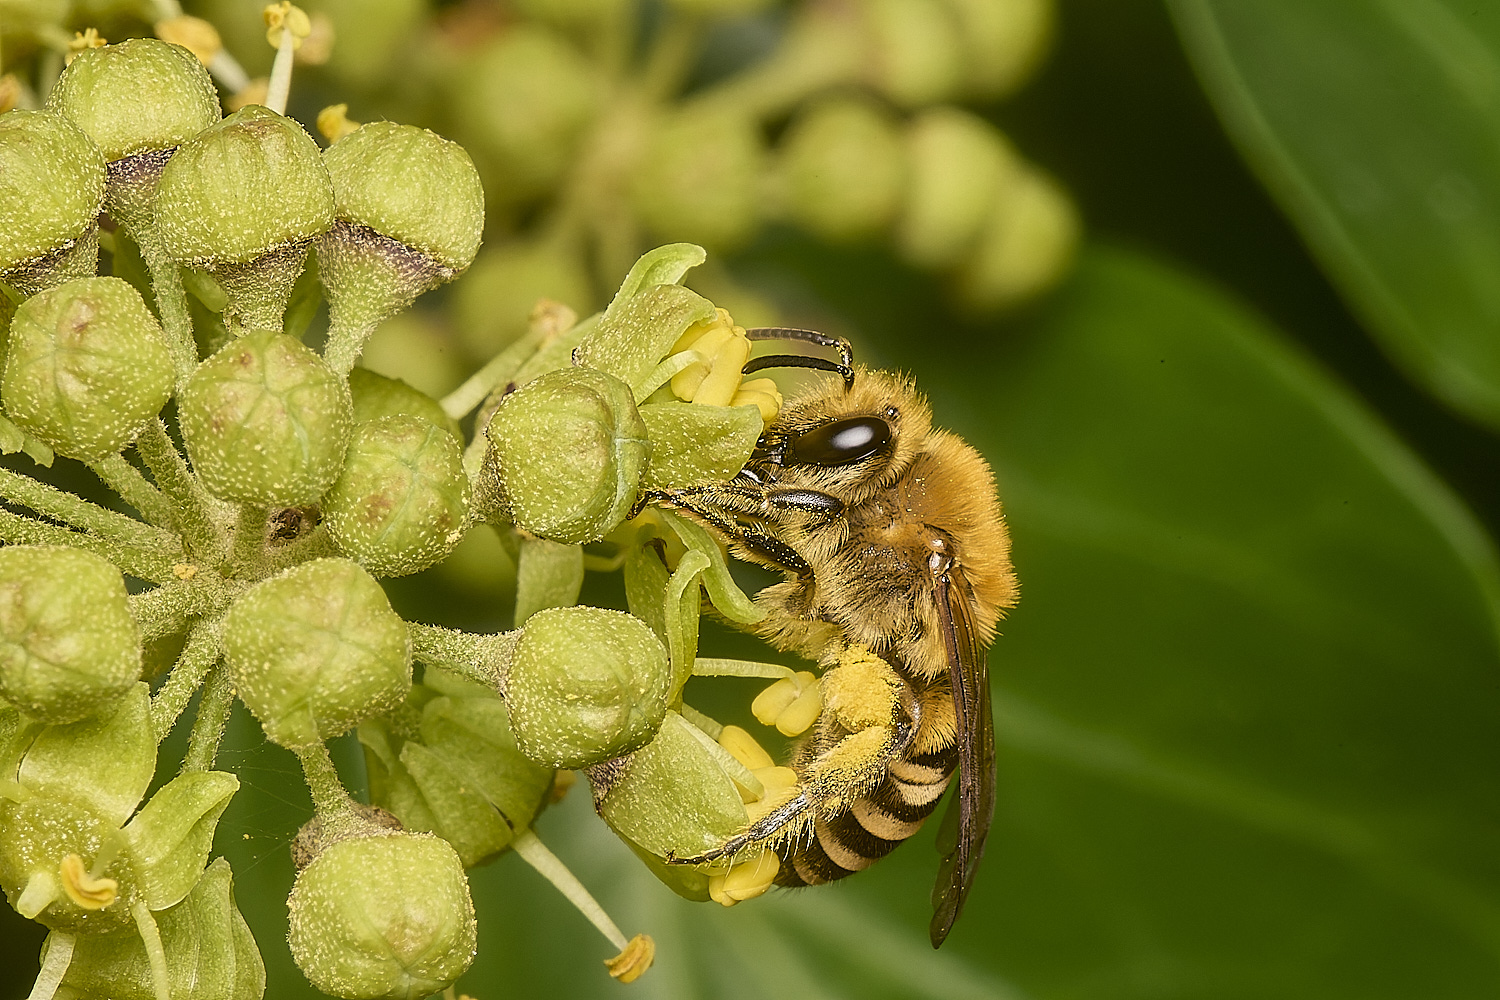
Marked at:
<point>495,300</point>
<point>1026,245</point>
<point>142,94</point>
<point>1002,41</point>
<point>401,503</point>
<point>673,796</point>
<point>586,685</point>
<point>138,100</point>
<point>844,168</point>
<point>316,649</point>
<point>210,953</point>
<point>86,368</point>
<point>382,916</point>
<point>376,396</point>
<point>69,647</point>
<point>242,199</point>
<point>411,185</point>
<point>700,178</point>
<point>565,456</point>
<point>266,422</point>
<point>409,210</point>
<point>51,190</point>
<point>915,50</point>
<point>959,163</point>
<point>527,98</point>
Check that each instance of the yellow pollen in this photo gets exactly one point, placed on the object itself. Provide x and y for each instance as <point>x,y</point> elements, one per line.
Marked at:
<point>334,122</point>
<point>791,704</point>
<point>88,38</point>
<point>637,957</point>
<point>192,33</point>
<point>745,880</point>
<point>88,892</point>
<point>285,16</point>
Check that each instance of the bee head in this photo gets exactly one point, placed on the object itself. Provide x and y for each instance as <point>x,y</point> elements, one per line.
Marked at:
<point>845,439</point>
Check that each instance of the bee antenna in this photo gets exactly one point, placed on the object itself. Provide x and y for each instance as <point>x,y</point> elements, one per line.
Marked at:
<point>844,366</point>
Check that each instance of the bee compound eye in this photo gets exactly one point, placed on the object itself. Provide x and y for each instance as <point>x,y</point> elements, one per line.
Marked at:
<point>840,443</point>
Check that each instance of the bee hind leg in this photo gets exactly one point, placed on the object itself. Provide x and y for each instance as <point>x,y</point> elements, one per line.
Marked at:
<point>770,826</point>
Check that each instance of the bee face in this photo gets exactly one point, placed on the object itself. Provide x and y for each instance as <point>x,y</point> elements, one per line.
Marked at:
<point>844,441</point>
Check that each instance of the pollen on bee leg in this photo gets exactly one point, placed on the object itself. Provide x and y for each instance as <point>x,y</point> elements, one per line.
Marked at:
<point>86,891</point>
<point>861,689</point>
<point>791,704</point>
<point>745,880</point>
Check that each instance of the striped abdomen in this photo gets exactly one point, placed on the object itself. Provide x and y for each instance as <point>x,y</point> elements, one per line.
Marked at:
<point>872,827</point>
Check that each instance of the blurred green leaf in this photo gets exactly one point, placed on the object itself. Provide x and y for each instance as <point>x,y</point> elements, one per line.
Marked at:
<point>1377,127</point>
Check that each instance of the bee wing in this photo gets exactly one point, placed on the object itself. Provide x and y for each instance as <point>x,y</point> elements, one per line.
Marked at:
<point>974,804</point>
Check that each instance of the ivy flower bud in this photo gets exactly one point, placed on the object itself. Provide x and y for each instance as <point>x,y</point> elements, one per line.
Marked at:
<point>382,916</point>
<point>409,212</point>
<point>138,100</point>
<point>266,422</point>
<point>586,685</point>
<point>843,167</point>
<point>242,199</point>
<point>376,396</point>
<point>916,50</point>
<point>565,457</point>
<point>1025,246</point>
<point>51,191</point>
<point>69,647</point>
<point>528,98</point>
<point>700,178</point>
<point>87,367</point>
<point>401,503</point>
<point>1002,42</point>
<point>959,162</point>
<point>316,649</point>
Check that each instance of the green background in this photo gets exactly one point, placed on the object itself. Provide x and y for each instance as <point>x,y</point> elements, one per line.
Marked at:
<point>1246,710</point>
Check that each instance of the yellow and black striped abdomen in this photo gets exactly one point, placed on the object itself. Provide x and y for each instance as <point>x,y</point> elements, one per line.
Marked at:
<point>873,825</point>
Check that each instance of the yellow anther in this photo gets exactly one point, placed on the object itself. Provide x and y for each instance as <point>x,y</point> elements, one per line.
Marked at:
<point>286,16</point>
<point>745,880</point>
<point>255,92</point>
<point>88,892</point>
<point>637,957</point>
<point>10,92</point>
<point>334,123</point>
<point>88,38</point>
<point>761,393</point>
<point>192,33</point>
<point>317,47</point>
<point>562,782</point>
<point>743,748</point>
<point>725,349</point>
<point>791,704</point>
<point>184,571</point>
<point>778,786</point>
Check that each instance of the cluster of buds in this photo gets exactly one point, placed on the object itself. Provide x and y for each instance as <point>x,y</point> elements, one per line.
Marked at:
<point>265,504</point>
